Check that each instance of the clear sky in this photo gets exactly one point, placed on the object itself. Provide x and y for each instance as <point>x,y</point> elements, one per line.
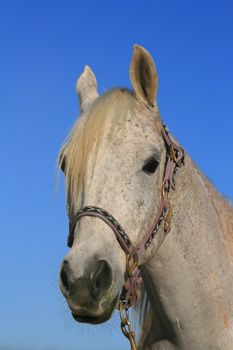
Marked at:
<point>44,46</point>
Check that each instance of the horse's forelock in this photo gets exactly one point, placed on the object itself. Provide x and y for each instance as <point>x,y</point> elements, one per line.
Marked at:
<point>107,113</point>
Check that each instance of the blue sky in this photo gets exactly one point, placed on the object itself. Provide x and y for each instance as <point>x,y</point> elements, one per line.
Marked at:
<point>44,46</point>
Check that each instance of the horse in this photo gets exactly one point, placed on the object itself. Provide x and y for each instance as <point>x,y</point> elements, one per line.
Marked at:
<point>143,220</point>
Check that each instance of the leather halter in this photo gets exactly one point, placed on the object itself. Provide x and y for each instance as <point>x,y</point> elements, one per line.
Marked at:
<point>130,293</point>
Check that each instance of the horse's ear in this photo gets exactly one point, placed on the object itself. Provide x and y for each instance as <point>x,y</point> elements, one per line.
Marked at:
<point>143,75</point>
<point>86,88</point>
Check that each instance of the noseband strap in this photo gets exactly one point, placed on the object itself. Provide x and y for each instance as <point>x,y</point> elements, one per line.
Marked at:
<point>105,216</point>
<point>131,290</point>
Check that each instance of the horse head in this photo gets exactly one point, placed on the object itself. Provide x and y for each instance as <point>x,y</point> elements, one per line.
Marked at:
<point>114,158</point>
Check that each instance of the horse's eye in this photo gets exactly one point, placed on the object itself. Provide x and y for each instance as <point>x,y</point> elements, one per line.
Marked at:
<point>150,166</point>
<point>62,163</point>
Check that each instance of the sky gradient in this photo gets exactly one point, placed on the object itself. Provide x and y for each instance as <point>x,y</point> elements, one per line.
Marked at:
<point>44,46</point>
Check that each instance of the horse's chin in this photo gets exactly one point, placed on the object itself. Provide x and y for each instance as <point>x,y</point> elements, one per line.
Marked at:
<point>88,316</point>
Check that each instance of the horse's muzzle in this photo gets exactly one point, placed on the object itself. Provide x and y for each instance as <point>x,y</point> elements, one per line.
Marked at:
<point>86,296</point>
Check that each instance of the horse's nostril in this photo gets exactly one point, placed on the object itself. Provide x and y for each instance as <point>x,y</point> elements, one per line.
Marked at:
<point>64,275</point>
<point>101,278</point>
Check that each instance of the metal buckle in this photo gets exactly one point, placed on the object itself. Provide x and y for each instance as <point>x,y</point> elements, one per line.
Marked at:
<point>168,217</point>
<point>131,264</point>
<point>173,151</point>
<point>174,154</point>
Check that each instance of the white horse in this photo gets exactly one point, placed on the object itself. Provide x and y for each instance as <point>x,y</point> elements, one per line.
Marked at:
<point>116,158</point>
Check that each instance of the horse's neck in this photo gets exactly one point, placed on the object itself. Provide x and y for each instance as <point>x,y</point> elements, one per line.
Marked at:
<point>200,209</point>
<point>195,254</point>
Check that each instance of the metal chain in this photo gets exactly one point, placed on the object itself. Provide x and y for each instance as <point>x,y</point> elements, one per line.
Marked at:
<point>126,325</point>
